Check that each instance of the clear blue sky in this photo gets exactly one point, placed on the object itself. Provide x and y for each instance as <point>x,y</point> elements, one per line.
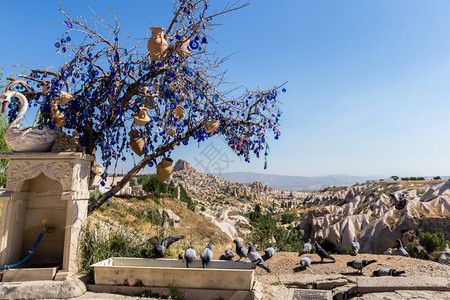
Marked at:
<point>368,81</point>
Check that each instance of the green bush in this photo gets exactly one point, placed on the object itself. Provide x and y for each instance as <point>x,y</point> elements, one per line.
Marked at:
<point>432,241</point>
<point>287,218</point>
<point>345,250</point>
<point>265,227</point>
<point>415,253</point>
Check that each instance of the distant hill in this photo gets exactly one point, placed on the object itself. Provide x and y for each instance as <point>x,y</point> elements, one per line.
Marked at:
<point>294,183</point>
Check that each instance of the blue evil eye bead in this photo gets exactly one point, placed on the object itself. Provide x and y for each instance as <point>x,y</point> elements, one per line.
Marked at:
<point>102,183</point>
<point>193,44</point>
<point>51,126</point>
<point>283,90</point>
<point>57,45</point>
<point>68,39</point>
<point>63,49</point>
<point>204,40</point>
<point>178,37</point>
<point>68,24</point>
<point>62,41</point>
<point>40,127</point>
<point>150,164</point>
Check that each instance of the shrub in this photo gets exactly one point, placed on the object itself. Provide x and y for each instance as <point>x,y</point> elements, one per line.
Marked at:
<point>345,250</point>
<point>415,252</point>
<point>432,241</point>
<point>287,218</point>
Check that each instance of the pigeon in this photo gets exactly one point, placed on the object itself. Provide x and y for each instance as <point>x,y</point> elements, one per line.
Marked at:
<point>322,253</point>
<point>398,198</point>
<point>180,256</point>
<point>355,247</point>
<point>359,264</point>
<point>206,255</point>
<point>305,262</point>
<point>240,250</point>
<point>387,272</point>
<point>189,255</point>
<point>400,249</point>
<point>227,256</point>
<point>160,248</point>
<point>269,252</point>
<point>256,258</point>
<point>306,247</point>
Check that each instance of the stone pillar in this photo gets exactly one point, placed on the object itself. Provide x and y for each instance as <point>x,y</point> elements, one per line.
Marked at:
<point>44,185</point>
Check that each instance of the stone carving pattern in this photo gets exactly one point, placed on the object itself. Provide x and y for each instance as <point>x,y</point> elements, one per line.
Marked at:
<point>62,171</point>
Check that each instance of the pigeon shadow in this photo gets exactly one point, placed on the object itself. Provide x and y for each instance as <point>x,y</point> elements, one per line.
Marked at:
<point>352,274</point>
<point>322,262</point>
<point>298,269</point>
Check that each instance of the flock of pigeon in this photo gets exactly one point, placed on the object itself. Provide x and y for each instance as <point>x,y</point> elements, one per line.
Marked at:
<point>260,261</point>
<point>357,264</point>
<point>207,254</point>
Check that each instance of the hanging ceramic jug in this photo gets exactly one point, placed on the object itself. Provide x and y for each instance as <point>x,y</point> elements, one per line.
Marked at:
<point>170,132</point>
<point>64,98</point>
<point>150,102</point>
<point>141,118</point>
<point>157,44</point>
<point>58,117</point>
<point>179,112</point>
<point>136,142</point>
<point>212,125</point>
<point>164,169</point>
<point>183,50</point>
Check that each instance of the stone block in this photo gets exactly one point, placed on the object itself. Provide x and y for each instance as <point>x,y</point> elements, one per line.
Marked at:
<point>389,284</point>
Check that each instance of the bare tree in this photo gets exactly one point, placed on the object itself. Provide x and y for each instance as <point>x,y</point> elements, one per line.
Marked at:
<point>178,89</point>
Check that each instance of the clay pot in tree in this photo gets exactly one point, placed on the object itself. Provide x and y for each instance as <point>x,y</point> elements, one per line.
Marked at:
<point>164,169</point>
<point>170,132</point>
<point>64,98</point>
<point>212,125</point>
<point>58,117</point>
<point>179,112</point>
<point>137,143</point>
<point>157,43</point>
<point>141,118</point>
<point>183,49</point>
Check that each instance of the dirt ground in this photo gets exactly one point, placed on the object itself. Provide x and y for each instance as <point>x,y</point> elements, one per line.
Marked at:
<point>285,268</point>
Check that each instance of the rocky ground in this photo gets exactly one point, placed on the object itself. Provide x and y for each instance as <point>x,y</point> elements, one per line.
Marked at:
<point>285,275</point>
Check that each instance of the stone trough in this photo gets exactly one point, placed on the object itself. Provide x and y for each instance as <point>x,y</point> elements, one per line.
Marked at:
<point>224,278</point>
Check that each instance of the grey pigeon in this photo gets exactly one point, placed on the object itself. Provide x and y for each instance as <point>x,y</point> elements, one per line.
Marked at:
<point>355,247</point>
<point>387,272</point>
<point>256,258</point>
<point>359,264</point>
<point>400,249</point>
<point>399,199</point>
<point>206,255</point>
<point>228,255</point>
<point>240,250</point>
<point>322,253</point>
<point>269,252</point>
<point>180,256</point>
<point>189,255</point>
<point>305,262</point>
<point>160,248</point>
<point>307,247</point>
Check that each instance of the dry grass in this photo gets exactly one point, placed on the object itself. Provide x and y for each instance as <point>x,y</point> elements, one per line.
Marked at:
<point>197,229</point>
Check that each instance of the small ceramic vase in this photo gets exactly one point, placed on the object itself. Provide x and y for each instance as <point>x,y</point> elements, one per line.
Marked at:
<point>58,117</point>
<point>179,112</point>
<point>170,132</point>
<point>136,142</point>
<point>64,98</point>
<point>184,51</point>
<point>164,169</point>
<point>157,43</point>
<point>212,125</point>
<point>141,118</point>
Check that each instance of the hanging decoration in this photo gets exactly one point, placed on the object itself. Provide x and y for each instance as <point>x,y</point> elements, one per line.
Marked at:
<point>164,169</point>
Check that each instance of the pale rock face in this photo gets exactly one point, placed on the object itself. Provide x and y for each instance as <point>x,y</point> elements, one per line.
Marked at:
<point>378,224</point>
